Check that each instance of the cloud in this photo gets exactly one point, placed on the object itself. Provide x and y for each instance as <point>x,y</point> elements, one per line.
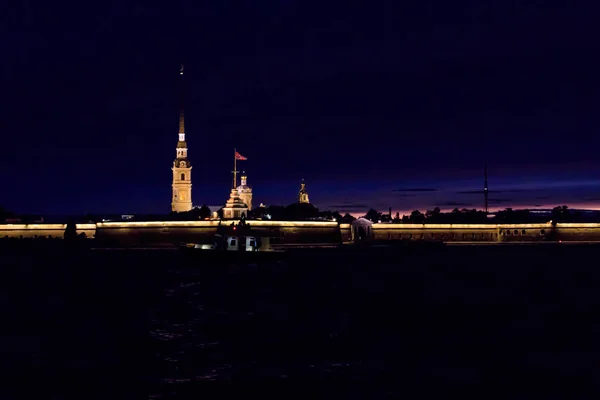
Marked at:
<point>543,197</point>
<point>453,204</point>
<point>348,206</point>
<point>405,195</point>
<point>516,190</point>
<point>476,191</point>
<point>415,190</point>
<point>501,200</point>
<point>493,191</point>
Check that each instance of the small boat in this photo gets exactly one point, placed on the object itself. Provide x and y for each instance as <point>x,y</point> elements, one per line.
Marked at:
<point>235,240</point>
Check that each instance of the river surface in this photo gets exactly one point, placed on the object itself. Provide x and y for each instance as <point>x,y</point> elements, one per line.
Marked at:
<point>160,324</point>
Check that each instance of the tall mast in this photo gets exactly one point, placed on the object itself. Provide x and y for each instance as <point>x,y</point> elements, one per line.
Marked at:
<point>485,188</point>
<point>234,169</point>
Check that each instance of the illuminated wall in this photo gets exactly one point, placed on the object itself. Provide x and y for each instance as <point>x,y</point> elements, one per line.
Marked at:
<point>29,231</point>
<point>140,233</point>
<point>488,232</point>
<point>170,232</point>
<point>155,233</point>
<point>346,232</point>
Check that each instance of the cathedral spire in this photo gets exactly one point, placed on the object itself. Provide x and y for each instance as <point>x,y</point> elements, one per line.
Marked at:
<point>181,125</point>
<point>181,113</point>
<point>182,168</point>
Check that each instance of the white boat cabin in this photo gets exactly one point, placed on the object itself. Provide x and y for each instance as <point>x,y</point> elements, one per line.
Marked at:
<point>247,243</point>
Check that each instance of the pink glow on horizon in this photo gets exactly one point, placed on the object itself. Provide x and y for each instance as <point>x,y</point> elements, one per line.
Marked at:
<point>581,206</point>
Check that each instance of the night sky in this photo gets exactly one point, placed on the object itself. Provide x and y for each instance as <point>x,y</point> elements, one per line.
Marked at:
<point>378,104</point>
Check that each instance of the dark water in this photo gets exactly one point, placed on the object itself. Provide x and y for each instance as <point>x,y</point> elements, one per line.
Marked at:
<point>141,324</point>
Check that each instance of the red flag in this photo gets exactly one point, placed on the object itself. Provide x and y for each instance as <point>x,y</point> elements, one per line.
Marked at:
<point>238,156</point>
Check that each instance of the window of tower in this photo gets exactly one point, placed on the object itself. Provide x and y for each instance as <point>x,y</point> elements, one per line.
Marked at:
<point>183,177</point>
<point>182,196</point>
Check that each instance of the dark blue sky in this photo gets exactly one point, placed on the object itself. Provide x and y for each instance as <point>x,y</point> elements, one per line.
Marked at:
<point>360,100</point>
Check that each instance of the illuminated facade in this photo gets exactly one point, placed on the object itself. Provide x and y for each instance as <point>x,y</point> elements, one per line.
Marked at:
<point>245,191</point>
<point>303,194</point>
<point>235,207</point>
<point>182,173</point>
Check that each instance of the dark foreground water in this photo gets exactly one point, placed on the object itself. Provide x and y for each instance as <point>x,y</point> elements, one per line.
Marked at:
<point>158,324</point>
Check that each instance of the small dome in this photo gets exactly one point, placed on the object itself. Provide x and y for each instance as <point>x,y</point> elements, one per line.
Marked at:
<point>179,160</point>
<point>362,222</point>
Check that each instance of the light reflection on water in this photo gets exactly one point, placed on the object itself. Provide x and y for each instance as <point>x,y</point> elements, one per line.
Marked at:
<point>185,335</point>
<point>453,317</point>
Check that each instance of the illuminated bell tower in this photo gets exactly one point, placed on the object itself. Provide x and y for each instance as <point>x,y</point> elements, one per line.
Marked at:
<point>181,200</point>
<point>245,191</point>
<point>182,174</point>
<point>303,194</point>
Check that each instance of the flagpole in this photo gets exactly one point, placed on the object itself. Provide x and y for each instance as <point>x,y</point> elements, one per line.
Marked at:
<point>234,168</point>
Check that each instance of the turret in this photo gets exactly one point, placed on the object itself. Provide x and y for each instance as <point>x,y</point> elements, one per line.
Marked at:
<point>303,194</point>
<point>245,191</point>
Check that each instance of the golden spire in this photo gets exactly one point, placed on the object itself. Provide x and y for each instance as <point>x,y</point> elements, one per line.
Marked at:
<point>181,122</point>
<point>181,114</point>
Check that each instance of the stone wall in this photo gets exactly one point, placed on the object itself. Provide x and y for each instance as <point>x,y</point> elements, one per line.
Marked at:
<point>489,232</point>
<point>574,232</point>
<point>155,233</point>
<point>166,233</point>
<point>48,231</point>
<point>174,232</point>
<point>444,232</point>
<point>292,232</point>
<point>346,232</point>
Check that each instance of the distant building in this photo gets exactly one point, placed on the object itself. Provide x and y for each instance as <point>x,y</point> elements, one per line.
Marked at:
<point>303,194</point>
<point>245,191</point>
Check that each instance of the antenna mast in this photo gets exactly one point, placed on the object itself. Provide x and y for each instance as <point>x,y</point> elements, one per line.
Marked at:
<point>485,188</point>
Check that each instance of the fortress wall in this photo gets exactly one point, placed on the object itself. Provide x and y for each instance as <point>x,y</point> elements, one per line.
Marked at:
<point>445,232</point>
<point>489,232</point>
<point>152,233</point>
<point>570,232</point>
<point>346,232</point>
<point>172,232</point>
<point>301,231</point>
<point>31,231</point>
<point>462,232</point>
<point>524,232</point>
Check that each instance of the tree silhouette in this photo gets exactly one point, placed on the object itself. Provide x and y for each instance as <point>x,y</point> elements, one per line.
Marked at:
<point>373,215</point>
<point>71,231</point>
<point>416,217</point>
<point>560,214</point>
<point>433,216</point>
<point>301,212</point>
<point>259,212</point>
<point>277,213</point>
<point>204,212</point>
<point>347,219</point>
<point>330,215</point>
